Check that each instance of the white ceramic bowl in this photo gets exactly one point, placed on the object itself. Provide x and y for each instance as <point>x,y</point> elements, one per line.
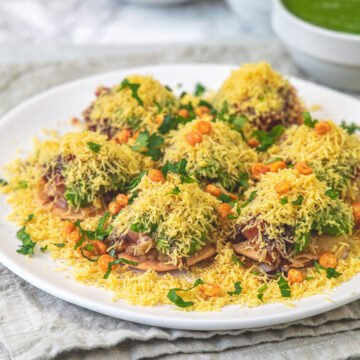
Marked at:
<point>331,57</point>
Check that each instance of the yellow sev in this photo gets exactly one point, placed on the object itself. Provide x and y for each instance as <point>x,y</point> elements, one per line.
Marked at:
<point>122,110</point>
<point>221,156</point>
<point>257,91</point>
<point>184,221</point>
<point>333,155</point>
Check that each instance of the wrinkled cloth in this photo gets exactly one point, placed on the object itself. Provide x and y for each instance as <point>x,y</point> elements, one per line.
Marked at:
<point>35,325</point>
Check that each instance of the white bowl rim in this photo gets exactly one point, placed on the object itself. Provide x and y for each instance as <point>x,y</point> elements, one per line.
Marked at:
<point>315,28</point>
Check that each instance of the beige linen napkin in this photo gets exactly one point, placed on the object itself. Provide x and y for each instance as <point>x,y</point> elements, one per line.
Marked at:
<point>35,325</point>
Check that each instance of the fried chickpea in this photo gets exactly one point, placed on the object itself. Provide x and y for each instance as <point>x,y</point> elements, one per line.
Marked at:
<point>200,111</point>
<point>276,166</point>
<point>259,169</point>
<point>156,176</point>
<point>224,210</point>
<point>203,127</point>
<point>328,260</point>
<point>302,168</point>
<point>356,212</point>
<point>123,136</point>
<point>295,276</point>
<point>100,247</point>
<point>68,227</point>
<point>253,143</point>
<point>184,113</point>
<point>213,190</point>
<point>282,187</point>
<point>322,127</point>
<point>210,290</point>
<point>159,118</point>
<point>75,236</point>
<point>103,262</point>
<point>193,138</point>
<point>114,208</point>
<point>122,199</point>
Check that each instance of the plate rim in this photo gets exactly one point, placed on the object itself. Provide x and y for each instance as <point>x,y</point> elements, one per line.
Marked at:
<point>149,319</point>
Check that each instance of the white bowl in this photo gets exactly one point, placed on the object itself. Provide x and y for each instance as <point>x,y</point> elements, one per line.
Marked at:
<point>331,57</point>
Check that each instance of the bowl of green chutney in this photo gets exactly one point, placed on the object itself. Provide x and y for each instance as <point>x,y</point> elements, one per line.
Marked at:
<point>323,38</point>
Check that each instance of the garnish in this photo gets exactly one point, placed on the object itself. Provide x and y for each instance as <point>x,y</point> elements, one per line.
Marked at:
<point>60,245</point>
<point>3,182</point>
<point>174,191</point>
<point>86,257</point>
<point>149,144</point>
<point>177,300</point>
<point>350,128</point>
<point>237,288</point>
<point>159,107</point>
<point>261,97</point>
<point>308,121</point>
<point>43,248</point>
<point>136,180</point>
<point>250,199</point>
<point>332,194</point>
<point>236,260</point>
<point>117,261</point>
<point>273,160</point>
<point>267,139</point>
<point>309,277</point>
<point>284,201</point>
<point>133,196</point>
<point>28,245</point>
<point>22,185</point>
<point>284,287</point>
<point>134,90</point>
<point>298,201</point>
<point>301,241</point>
<point>178,168</point>
<point>330,272</point>
<point>30,217</point>
<point>261,290</point>
<point>225,198</point>
<point>243,180</point>
<point>199,90</point>
<point>94,147</point>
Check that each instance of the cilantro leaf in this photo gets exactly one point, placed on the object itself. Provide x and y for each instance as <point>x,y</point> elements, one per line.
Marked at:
<point>225,198</point>
<point>28,245</point>
<point>261,290</point>
<point>149,144</point>
<point>133,196</point>
<point>136,180</point>
<point>199,90</point>
<point>267,139</point>
<point>243,180</point>
<point>301,241</point>
<point>350,128</point>
<point>22,185</point>
<point>117,261</point>
<point>284,201</point>
<point>174,191</point>
<point>237,288</point>
<point>178,168</point>
<point>330,272</point>
<point>94,147</point>
<point>44,248</point>
<point>177,300</point>
<point>30,217</point>
<point>308,121</point>
<point>60,245</point>
<point>3,182</point>
<point>332,194</point>
<point>134,90</point>
<point>236,260</point>
<point>298,201</point>
<point>284,287</point>
<point>159,107</point>
<point>250,199</point>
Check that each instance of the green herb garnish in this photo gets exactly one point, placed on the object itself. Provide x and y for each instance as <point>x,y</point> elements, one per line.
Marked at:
<point>177,300</point>
<point>149,144</point>
<point>284,201</point>
<point>267,139</point>
<point>308,121</point>
<point>332,194</point>
<point>236,260</point>
<point>330,272</point>
<point>94,147</point>
<point>309,277</point>
<point>60,245</point>
<point>250,199</point>
<point>199,90</point>
<point>117,261</point>
<point>22,185</point>
<point>243,180</point>
<point>3,182</point>
<point>28,245</point>
<point>43,248</point>
<point>174,191</point>
<point>261,290</point>
<point>284,287</point>
<point>134,90</point>
<point>136,180</point>
<point>298,201</point>
<point>159,107</point>
<point>350,128</point>
<point>178,168</point>
<point>237,288</point>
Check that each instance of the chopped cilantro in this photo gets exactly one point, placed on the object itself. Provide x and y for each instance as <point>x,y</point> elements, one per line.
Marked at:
<point>174,191</point>
<point>309,277</point>
<point>261,290</point>
<point>60,245</point>
<point>308,121</point>
<point>134,90</point>
<point>22,185</point>
<point>261,97</point>
<point>236,260</point>
<point>94,147</point>
<point>267,139</point>
<point>43,248</point>
<point>330,272</point>
<point>28,245</point>
<point>30,217</point>
<point>86,257</point>
<point>199,90</point>
<point>159,107</point>
<point>117,261</point>
<point>332,194</point>
<point>250,199</point>
<point>205,103</point>
<point>225,198</point>
<point>178,168</point>
<point>272,160</point>
<point>149,144</point>
<point>177,300</point>
<point>237,288</point>
<point>243,180</point>
<point>284,287</point>
<point>136,180</point>
<point>3,182</point>
<point>133,196</point>
<point>350,128</point>
<point>298,201</point>
<point>284,201</point>
<point>89,247</point>
<point>301,241</point>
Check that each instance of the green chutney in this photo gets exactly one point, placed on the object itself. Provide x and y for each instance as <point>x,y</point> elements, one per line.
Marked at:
<point>338,15</point>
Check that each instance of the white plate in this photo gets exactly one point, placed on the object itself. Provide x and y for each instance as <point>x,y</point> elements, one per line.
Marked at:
<point>59,104</point>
